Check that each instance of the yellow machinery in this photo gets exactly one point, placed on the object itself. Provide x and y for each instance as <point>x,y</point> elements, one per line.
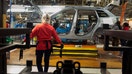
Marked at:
<point>77,50</point>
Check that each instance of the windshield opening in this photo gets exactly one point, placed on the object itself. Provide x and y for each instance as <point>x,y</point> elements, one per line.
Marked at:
<point>62,22</point>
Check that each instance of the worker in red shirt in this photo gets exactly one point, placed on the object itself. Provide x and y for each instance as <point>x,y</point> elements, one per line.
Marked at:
<point>44,33</point>
<point>125,27</point>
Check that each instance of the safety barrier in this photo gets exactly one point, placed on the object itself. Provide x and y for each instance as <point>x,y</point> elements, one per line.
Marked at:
<point>127,50</point>
<point>67,65</point>
<point>5,47</point>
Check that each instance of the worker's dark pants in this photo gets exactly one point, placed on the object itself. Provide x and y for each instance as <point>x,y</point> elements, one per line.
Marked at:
<point>39,55</point>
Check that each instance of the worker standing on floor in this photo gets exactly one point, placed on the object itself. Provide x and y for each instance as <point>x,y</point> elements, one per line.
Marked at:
<point>44,33</point>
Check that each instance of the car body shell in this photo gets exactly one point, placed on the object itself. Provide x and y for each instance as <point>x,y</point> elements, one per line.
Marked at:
<point>99,26</point>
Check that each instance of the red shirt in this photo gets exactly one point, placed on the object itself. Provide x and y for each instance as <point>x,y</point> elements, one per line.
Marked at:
<point>44,31</point>
<point>126,28</point>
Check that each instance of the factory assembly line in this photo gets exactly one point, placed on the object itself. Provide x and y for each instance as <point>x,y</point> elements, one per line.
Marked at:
<point>77,26</point>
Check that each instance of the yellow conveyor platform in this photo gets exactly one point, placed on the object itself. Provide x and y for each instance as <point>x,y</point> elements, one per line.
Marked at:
<point>77,50</point>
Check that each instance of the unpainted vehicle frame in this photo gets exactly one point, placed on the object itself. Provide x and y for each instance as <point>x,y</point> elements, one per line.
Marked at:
<point>82,22</point>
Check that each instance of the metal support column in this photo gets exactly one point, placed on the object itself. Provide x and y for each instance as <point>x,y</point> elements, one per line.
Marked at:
<point>3,63</point>
<point>127,62</point>
<point>2,39</point>
<point>1,13</point>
